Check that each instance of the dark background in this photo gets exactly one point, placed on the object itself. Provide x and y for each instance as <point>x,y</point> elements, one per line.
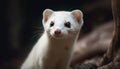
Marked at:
<point>21,23</point>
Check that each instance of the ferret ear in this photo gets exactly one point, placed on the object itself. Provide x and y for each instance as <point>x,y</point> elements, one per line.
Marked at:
<point>46,14</point>
<point>78,15</point>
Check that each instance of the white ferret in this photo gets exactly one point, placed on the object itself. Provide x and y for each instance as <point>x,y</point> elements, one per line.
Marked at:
<point>54,48</point>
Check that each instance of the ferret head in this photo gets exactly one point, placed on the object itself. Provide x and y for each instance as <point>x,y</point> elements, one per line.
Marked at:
<point>62,24</point>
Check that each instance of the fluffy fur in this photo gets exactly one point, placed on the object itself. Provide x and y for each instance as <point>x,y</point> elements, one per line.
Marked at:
<point>53,50</point>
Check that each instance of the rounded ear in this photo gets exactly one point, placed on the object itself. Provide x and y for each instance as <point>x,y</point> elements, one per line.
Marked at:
<point>46,14</point>
<point>78,15</point>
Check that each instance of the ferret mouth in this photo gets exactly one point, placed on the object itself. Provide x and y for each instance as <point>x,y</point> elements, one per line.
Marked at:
<point>57,36</point>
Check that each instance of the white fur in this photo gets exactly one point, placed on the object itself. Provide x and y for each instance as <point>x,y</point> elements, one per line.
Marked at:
<point>51,52</point>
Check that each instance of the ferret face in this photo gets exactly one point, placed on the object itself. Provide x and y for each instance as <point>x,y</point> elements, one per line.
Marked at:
<point>61,24</point>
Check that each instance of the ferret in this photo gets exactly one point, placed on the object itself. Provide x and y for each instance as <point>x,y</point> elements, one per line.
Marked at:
<point>54,48</point>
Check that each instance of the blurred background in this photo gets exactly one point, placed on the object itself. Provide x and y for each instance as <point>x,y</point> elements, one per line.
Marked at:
<point>21,24</point>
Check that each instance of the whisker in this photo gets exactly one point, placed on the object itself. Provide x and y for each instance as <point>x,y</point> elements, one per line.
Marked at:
<point>38,32</point>
<point>38,28</point>
<point>36,35</point>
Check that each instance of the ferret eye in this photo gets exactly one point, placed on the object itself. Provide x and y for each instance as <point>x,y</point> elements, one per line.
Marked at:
<point>67,24</point>
<point>51,24</point>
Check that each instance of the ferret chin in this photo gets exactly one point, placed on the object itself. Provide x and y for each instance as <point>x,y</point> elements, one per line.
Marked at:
<point>54,48</point>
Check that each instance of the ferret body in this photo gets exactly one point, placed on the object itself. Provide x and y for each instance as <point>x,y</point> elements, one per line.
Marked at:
<point>54,48</point>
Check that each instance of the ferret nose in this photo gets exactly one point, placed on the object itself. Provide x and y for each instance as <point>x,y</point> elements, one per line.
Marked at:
<point>57,32</point>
